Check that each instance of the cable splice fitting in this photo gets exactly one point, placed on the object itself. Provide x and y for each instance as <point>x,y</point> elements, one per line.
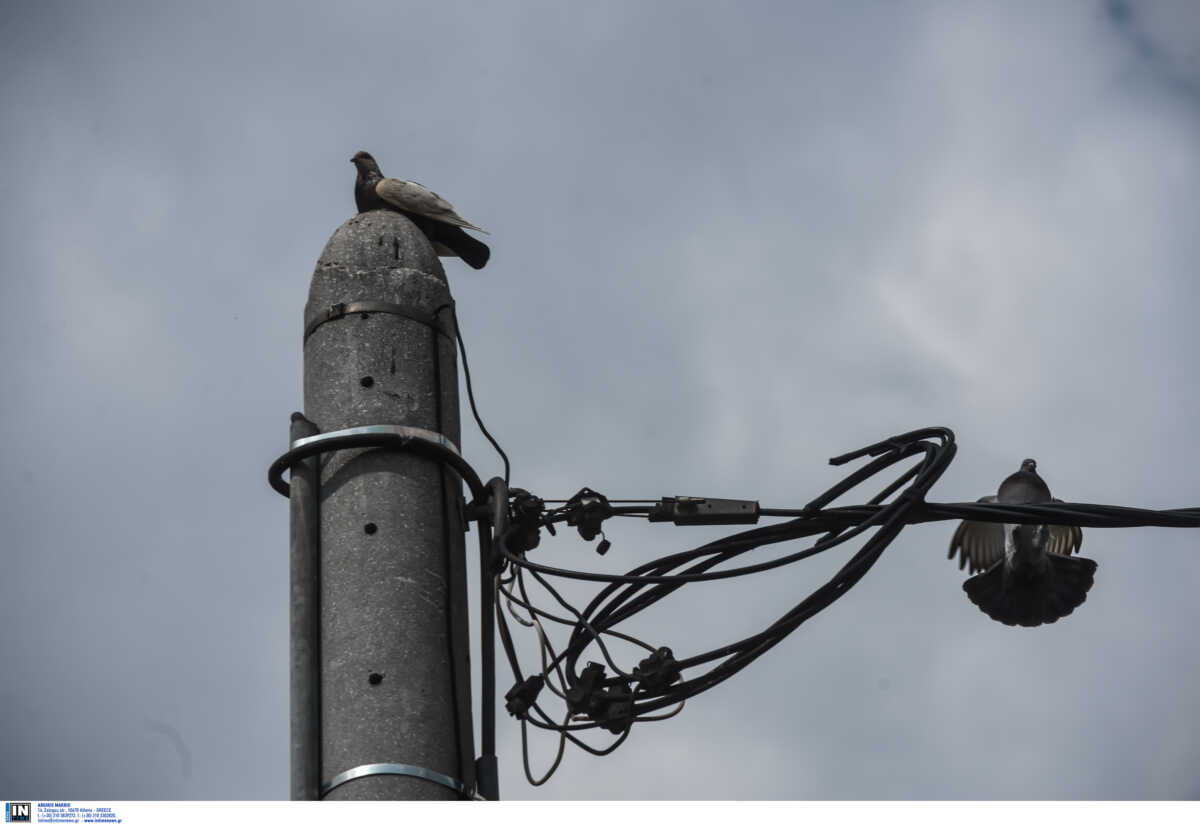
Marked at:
<point>526,512</point>
<point>610,707</point>
<point>587,510</point>
<point>657,671</point>
<point>521,696</point>
<point>579,695</point>
<point>616,713</point>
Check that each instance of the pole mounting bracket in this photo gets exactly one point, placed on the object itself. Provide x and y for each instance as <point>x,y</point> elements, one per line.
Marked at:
<point>398,769</point>
<point>365,308</point>
<point>395,436</point>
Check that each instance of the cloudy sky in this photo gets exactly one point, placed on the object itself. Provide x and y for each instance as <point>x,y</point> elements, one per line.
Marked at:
<point>729,241</point>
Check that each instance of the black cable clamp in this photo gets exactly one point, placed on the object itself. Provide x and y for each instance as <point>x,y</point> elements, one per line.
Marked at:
<point>657,671</point>
<point>608,705</point>
<point>587,510</point>
<point>526,511</point>
<point>521,696</point>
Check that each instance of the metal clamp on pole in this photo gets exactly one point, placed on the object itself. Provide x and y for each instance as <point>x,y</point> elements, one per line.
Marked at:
<point>436,446</point>
<point>398,769</point>
<point>414,439</point>
<point>365,308</point>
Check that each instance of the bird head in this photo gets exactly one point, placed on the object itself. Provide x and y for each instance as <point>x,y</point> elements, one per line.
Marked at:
<point>365,162</point>
<point>1029,465</point>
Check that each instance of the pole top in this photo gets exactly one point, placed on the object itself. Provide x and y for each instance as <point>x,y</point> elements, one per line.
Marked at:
<point>377,256</point>
<point>375,241</point>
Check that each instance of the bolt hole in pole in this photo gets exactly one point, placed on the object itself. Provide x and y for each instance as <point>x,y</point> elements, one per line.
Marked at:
<point>375,678</point>
<point>369,528</point>
<point>367,381</point>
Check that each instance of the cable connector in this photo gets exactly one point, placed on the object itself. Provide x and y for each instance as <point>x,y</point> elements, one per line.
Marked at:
<point>579,696</point>
<point>587,510</point>
<point>609,707</point>
<point>689,510</point>
<point>657,671</point>
<point>616,712</point>
<point>521,696</point>
<point>526,513</point>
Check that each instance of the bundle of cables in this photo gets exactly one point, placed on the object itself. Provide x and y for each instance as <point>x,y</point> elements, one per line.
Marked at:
<point>603,695</point>
<point>606,696</point>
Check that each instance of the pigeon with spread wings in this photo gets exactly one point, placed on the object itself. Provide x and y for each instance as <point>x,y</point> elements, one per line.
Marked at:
<point>1030,577</point>
<point>432,213</point>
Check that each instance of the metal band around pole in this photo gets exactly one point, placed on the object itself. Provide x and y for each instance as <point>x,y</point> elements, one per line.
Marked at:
<point>419,433</point>
<point>396,769</point>
<point>397,436</point>
<point>337,311</point>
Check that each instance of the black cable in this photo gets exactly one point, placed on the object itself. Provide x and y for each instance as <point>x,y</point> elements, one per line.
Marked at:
<point>900,502</point>
<point>581,622</point>
<point>462,347</point>
<point>526,603</point>
<point>657,581</point>
<point>744,652</point>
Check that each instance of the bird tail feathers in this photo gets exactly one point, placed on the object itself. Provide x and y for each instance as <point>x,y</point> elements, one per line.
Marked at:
<point>450,240</point>
<point>468,225</point>
<point>1030,601</point>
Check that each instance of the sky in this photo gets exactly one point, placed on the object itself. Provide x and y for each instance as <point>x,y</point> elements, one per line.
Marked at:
<point>729,240</point>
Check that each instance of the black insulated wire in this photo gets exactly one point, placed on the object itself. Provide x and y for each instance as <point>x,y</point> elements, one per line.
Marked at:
<point>614,698</point>
<point>462,347</point>
<point>899,503</point>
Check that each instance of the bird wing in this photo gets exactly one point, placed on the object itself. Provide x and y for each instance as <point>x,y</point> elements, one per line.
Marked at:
<point>413,197</point>
<point>1064,539</point>
<point>978,543</point>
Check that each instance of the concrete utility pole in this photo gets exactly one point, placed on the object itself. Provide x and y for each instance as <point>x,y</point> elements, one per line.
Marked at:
<point>394,689</point>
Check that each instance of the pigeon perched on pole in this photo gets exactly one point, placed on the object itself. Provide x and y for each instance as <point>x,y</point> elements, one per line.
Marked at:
<point>1030,577</point>
<point>432,213</point>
